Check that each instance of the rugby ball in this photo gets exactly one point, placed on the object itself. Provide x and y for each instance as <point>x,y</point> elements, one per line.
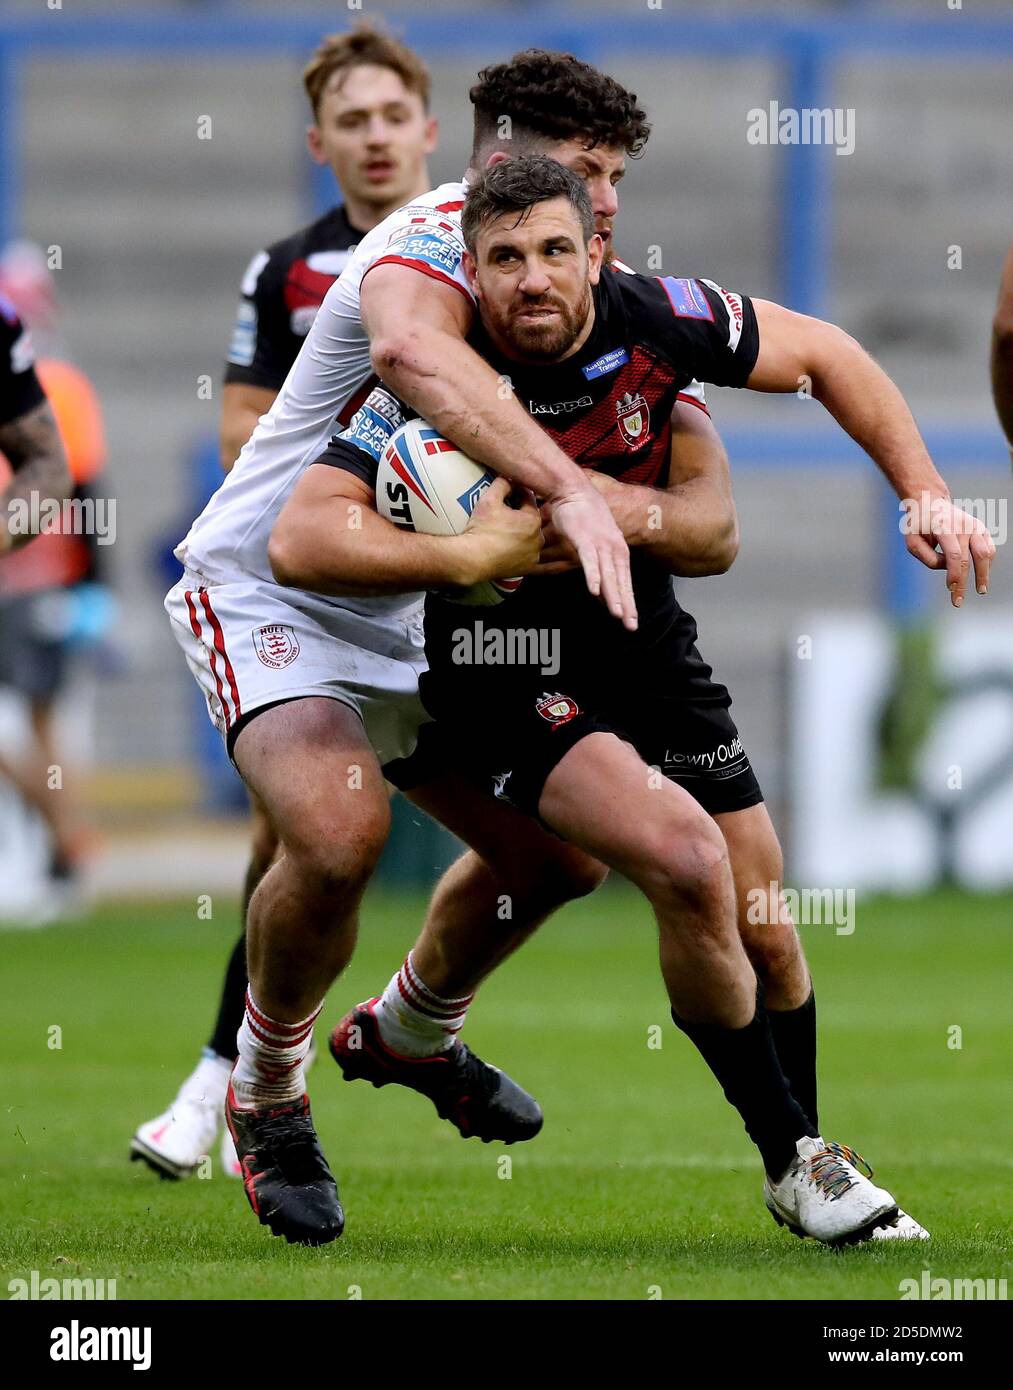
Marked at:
<point>424,483</point>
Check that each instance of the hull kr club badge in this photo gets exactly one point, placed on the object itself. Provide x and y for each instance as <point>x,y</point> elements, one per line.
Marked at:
<point>276,645</point>
<point>634,419</point>
<point>557,709</point>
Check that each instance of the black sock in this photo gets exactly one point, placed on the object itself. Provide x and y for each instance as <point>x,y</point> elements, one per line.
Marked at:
<point>794,1034</point>
<point>747,1069</point>
<point>232,1004</point>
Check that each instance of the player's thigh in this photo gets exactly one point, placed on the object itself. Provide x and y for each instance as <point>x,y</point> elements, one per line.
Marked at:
<point>312,767</point>
<point>522,853</point>
<point>605,798</point>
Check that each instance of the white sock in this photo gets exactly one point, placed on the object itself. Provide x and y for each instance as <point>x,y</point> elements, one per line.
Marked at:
<point>208,1081</point>
<point>414,1021</point>
<point>271,1055</point>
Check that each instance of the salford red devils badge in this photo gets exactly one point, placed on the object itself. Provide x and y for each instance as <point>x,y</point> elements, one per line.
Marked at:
<point>276,645</point>
<point>557,709</point>
<point>634,419</point>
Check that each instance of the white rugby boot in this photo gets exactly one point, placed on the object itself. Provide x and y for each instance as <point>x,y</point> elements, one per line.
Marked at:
<point>174,1143</point>
<point>824,1195</point>
<point>902,1227</point>
<point>231,1167</point>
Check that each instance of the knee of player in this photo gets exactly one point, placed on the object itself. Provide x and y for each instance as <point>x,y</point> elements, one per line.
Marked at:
<point>341,856</point>
<point>692,865</point>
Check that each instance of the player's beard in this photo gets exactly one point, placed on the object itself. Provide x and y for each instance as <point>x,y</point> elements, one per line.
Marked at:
<point>549,340</point>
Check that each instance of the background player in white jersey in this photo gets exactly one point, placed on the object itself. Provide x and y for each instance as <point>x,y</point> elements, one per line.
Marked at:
<point>369,102</point>
<point>580,760</point>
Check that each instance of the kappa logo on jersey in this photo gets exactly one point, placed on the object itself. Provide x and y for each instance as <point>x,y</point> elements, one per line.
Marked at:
<point>276,645</point>
<point>634,419</point>
<point>686,298</point>
<point>733,303</point>
<point>557,709</point>
<point>559,407</point>
<point>499,781</point>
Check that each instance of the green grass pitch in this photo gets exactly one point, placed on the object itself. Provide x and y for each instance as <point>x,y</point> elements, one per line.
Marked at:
<point>642,1183</point>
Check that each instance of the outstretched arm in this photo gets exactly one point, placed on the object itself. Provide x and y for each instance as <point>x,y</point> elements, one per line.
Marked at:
<point>417,326</point>
<point>794,350</point>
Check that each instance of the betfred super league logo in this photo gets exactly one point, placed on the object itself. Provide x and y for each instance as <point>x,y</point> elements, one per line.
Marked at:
<point>633,419</point>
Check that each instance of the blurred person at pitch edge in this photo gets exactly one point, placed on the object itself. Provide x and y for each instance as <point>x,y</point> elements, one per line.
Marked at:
<point>50,598</point>
<point>369,102</point>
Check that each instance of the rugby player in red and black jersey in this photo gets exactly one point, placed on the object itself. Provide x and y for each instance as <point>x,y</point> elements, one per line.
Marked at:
<point>369,98</point>
<point>586,747</point>
<point>589,122</point>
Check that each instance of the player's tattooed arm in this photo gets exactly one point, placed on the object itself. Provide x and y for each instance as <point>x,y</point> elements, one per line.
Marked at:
<point>329,538</point>
<point>1002,351</point>
<point>32,447</point>
<point>796,350</point>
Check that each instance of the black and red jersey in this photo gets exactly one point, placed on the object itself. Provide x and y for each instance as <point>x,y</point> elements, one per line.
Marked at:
<point>20,391</point>
<point>609,407</point>
<point>281,292</point>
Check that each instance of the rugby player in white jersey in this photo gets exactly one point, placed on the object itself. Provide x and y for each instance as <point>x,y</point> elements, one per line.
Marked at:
<point>328,871</point>
<point>332,682</point>
<point>581,760</point>
<point>369,100</point>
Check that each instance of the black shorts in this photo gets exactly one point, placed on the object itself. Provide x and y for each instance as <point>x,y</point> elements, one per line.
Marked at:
<point>506,734</point>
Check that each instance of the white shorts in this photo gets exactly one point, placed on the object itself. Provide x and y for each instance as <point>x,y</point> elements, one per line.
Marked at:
<point>250,644</point>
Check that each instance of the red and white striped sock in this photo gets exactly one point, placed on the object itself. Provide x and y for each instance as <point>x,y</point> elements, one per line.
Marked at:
<point>414,1021</point>
<point>271,1055</point>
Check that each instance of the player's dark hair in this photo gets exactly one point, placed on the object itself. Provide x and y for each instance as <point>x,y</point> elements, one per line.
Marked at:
<point>554,96</point>
<point>517,185</point>
<point>364,43</point>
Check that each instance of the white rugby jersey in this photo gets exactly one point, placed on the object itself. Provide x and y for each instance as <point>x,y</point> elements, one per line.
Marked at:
<point>329,380</point>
